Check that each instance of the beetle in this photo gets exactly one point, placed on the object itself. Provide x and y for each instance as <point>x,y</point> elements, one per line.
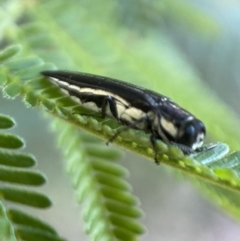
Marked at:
<point>134,107</point>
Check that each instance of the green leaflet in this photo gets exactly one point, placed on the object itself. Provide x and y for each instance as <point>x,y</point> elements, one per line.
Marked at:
<point>6,230</point>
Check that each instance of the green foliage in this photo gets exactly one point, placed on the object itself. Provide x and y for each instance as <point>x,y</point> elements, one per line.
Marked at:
<point>110,210</point>
<point>109,207</point>
<point>15,224</point>
<point>145,15</point>
<point>6,231</point>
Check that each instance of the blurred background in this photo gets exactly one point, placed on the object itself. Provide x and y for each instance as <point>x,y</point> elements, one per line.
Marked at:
<point>205,37</point>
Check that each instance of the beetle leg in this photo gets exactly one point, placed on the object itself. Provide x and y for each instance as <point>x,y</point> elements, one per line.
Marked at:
<point>112,106</point>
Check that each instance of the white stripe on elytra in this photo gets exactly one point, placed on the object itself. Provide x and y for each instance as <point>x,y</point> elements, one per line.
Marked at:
<point>58,82</point>
<point>104,93</point>
<point>89,90</point>
<point>124,112</point>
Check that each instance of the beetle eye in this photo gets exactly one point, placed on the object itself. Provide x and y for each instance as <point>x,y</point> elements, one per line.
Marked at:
<point>189,132</point>
<point>188,137</point>
<point>192,134</point>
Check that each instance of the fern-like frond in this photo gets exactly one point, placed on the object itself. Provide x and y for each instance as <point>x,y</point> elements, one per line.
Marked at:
<point>110,209</point>
<point>14,166</point>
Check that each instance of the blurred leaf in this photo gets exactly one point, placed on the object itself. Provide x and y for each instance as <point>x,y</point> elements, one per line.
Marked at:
<point>9,52</point>
<point>194,19</point>
<point>6,228</point>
